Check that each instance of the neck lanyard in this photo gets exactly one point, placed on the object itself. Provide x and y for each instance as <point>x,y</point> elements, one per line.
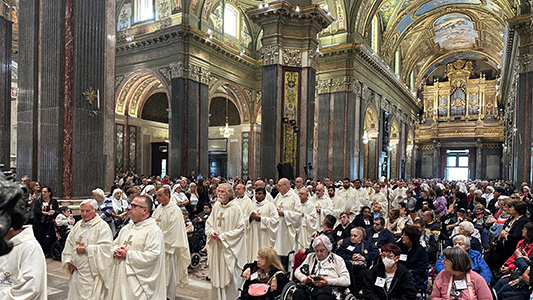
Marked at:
<point>468,283</point>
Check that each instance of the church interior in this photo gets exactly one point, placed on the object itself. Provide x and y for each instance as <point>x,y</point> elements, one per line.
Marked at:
<point>336,88</point>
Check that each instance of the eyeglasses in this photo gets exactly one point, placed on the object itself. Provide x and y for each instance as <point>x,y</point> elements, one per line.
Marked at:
<point>132,205</point>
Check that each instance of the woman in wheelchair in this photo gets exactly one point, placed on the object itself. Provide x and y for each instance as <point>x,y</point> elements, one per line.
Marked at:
<point>264,278</point>
<point>323,274</point>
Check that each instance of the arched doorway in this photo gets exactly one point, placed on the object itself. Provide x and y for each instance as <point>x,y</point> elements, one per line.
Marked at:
<point>142,124</point>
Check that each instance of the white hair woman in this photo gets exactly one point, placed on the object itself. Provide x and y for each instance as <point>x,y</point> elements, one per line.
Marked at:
<point>323,273</point>
<point>105,208</point>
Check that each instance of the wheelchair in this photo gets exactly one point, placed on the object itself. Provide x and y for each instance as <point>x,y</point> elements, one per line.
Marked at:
<point>61,238</point>
<point>197,240</point>
<point>290,288</point>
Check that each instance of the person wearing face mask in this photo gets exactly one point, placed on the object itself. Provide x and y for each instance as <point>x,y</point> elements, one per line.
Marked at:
<point>388,279</point>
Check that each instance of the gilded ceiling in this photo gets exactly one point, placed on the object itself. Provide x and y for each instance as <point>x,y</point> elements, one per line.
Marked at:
<point>429,33</point>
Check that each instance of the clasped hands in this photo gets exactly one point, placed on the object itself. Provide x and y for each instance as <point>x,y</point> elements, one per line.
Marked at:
<point>120,253</point>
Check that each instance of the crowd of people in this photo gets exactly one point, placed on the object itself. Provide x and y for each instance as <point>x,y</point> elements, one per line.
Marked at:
<point>385,239</point>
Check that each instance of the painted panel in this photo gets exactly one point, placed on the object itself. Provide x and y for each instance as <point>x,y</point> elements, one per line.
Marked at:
<point>439,3</point>
<point>245,152</point>
<point>290,111</point>
<point>455,31</point>
<point>119,150</point>
<point>404,23</point>
<point>133,148</point>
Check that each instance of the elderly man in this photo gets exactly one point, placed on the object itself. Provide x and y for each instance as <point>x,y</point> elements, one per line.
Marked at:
<point>169,218</point>
<point>322,203</point>
<point>86,255</point>
<point>242,199</point>
<point>298,184</point>
<point>290,214</point>
<point>23,270</point>
<point>261,224</point>
<point>478,263</point>
<point>138,268</point>
<point>226,245</point>
<point>309,219</point>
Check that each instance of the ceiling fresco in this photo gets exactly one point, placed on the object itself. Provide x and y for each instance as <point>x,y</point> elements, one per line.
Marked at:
<point>430,32</point>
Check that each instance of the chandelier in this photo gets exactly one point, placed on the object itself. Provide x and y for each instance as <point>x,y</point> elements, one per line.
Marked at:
<point>225,131</point>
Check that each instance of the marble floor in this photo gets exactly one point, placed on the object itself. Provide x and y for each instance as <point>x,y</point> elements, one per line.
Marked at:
<point>198,288</point>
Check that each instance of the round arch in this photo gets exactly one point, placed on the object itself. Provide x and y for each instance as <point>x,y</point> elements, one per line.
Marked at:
<point>235,94</point>
<point>136,88</point>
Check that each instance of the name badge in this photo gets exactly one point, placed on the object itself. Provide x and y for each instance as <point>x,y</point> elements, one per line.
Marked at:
<point>253,276</point>
<point>350,248</point>
<point>323,272</point>
<point>403,257</point>
<point>380,282</point>
<point>339,233</point>
<point>460,284</point>
<point>375,236</point>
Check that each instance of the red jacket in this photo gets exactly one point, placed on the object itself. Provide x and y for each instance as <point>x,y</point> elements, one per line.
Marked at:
<point>510,262</point>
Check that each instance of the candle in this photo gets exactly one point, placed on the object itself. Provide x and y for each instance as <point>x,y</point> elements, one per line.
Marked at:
<point>98,98</point>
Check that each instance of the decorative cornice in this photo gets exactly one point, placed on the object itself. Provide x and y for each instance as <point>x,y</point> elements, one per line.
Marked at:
<point>189,71</point>
<point>187,34</point>
<point>333,85</point>
<point>283,9</point>
<point>525,63</point>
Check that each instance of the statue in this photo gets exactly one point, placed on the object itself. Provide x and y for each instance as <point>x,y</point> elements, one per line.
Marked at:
<point>12,203</point>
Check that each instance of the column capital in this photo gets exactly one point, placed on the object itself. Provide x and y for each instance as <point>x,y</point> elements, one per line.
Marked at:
<point>188,70</point>
<point>295,43</point>
<point>337,84</point>
<point>6,8</point>
<point>523,25</point>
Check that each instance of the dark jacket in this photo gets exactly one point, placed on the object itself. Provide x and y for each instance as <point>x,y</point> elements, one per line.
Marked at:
<point>401,287</point>
<point>515,235</point>
<point>384,237</point>
<point>371,253</point>
<point>360,222</point>
<point>416,263</point>
<point>342,233</point>
<point>281,278</point>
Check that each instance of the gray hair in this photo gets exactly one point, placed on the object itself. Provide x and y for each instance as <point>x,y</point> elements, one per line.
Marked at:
<point>459,258</point>
<point>467,226</point>
<point>466,240</point>
<point>92,202</point>
<point>99,192</point>
<point>322,239</point>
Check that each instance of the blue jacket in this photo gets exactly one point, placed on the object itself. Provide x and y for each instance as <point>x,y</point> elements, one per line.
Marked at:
<point>384,237</point>
<point>478,265</point>
<point>371,251</point>
<point>417,263</point>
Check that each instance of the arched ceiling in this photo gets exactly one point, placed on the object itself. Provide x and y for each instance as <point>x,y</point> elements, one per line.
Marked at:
<point>429,33</point>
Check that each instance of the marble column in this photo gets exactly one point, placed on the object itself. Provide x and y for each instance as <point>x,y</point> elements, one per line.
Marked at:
<point>189,122</point>
<point>66,95</point>
<point>288,53</point>
<point>436,160</point>
<point>479,157</point>
<point>524,101</point>
<point>5,91</point>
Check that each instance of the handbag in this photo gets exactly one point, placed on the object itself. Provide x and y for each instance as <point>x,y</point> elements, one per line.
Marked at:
<point>260,289</point>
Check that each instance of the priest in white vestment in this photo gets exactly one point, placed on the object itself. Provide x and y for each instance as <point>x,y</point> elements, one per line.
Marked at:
<point>361,194</point>
<point>241,198</point>
<point>23,270</point>
<point>261,184</point>
<point>290,213</point>
<point>323,205</point>
<point>87,255</point>
<point>379,197</point>
<point>169,218</point>
<point>309,220</point>
<point>138,267</point>
<point>261,224</point>
<point>351,202</point>
<point>338,203</point>
<point>226,245</point>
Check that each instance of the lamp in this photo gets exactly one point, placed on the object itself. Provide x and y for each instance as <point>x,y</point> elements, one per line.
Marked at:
<point>365,138</point>
<point>225,131</point>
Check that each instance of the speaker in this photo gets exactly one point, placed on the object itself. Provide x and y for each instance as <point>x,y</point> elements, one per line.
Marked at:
<point>285,170</point>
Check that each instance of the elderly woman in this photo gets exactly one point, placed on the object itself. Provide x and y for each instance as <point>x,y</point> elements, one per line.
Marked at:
<point>466,228</point>
<point>120,207</point>
<point>388,280</point>
<point>413,256</point>
<point>458,281</point>
<point>105,208</point>
<point>322,273</point>
<point>266,270</point>
<point>358,253</point>
<point>478,263</point>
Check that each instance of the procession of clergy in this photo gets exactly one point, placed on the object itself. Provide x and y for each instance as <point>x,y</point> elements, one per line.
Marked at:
<point>149,257</point>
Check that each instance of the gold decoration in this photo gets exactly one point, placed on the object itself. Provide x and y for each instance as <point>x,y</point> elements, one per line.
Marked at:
<point>90,95</point>
<point>458,102</point>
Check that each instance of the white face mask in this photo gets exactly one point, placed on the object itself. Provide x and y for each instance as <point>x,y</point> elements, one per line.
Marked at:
<point>388,262</point>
